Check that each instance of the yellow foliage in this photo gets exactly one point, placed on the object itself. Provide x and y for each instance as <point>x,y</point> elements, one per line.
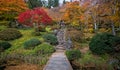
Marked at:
<point>9,9</point>
<point>73,13</point>
<point>12,6</point>
<point>104,30</point>
<point>91,30</point>
<point>75,23</point>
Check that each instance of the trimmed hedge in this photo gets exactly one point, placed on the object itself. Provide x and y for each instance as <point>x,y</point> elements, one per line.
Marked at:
<point>31,43</point>
<point>10,34</point>
<point>50,38</point>
<point>4,45</point>
<point>44,49</point>
<point>104,43</point>
<point>73,54</point>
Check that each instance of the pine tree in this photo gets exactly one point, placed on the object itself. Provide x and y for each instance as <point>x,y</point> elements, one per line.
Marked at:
<point>56,3</point>
<point>34,3</point>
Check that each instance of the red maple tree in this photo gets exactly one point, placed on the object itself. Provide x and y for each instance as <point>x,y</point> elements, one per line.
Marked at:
<point>37,15</point>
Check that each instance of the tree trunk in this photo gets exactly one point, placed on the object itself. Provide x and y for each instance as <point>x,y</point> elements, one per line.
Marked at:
<point>119,26</point>
<point>113,28</point>
<point>112,24</point>
<point>95,23</point>
<point>95,26</point>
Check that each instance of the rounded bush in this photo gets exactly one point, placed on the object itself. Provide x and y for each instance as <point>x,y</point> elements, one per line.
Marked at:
<point>44,49</point>
<point>31,43</point>
<point>103,43</point>
<point>73,54</point>
<point>9,34</point>
<point>50,38</point>
<point>4,45</point>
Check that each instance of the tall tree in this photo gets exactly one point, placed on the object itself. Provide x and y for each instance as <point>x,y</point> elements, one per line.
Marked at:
<point>73,13</point>
<point>115,14</point>
<point>37,16</point>
<point>9,9</point>
<point>53,3</point>
<point>56,3</point>
<point>50,3</point>
<point>94,15</point>
<point>34,3</point>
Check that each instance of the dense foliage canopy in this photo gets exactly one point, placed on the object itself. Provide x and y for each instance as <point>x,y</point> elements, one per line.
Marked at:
<point>37,15</point>
<point>9,9</point>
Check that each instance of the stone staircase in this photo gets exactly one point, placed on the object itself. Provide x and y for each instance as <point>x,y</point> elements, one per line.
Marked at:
<point>58,60</point>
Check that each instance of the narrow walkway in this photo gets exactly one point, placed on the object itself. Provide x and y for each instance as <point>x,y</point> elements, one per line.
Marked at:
<point>58,60</point>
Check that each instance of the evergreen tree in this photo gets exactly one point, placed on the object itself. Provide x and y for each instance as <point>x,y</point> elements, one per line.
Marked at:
<point>53,3</point>
<point>56,3</point>
<point>50,3</point>
<point>34,3</point>
<point>44,3</point>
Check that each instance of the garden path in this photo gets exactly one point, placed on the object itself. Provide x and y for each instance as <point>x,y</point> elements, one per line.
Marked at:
<point>58,60</point>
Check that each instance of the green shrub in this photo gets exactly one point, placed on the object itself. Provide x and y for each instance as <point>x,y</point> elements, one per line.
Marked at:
<point>50,38</point>
<point>103,43</point>
<point>4,45</point>
<point>31,43</point>
<point>2,27</point>
<point>48,29</point>
<point>44,49</point>
<point>36,33</point>
<point>5,23</point>
<point>73,54</point>
<point>89,61</point>
<point>9,34</point>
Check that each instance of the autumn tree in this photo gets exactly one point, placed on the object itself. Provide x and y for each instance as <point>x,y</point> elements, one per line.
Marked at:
<point>115,16</point>
<point>9,9</point>
<point>34,17</point>
<point>94,15</point>
<point>107,14</point>
<point>73,13</point>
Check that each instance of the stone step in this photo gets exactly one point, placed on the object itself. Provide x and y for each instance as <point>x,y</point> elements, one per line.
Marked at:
<point>60,48</point>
